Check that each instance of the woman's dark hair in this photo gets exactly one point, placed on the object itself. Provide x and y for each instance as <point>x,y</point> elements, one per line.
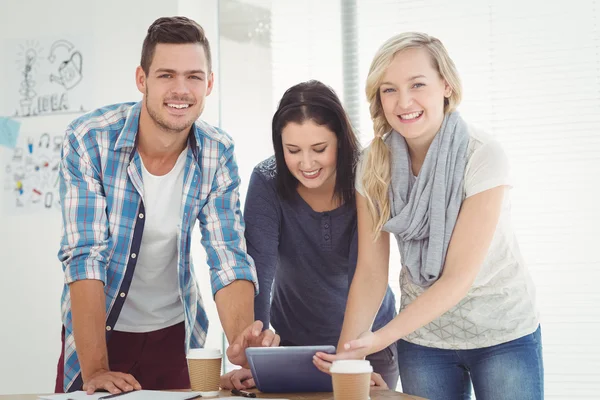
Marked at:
<point>317,102</point>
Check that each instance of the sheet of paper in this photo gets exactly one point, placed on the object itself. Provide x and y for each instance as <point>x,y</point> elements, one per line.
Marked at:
<point>135,395</point>
<point>74,395</point>
<point>9,131</point>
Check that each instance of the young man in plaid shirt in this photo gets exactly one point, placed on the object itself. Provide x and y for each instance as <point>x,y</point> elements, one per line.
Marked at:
<point>134,179</point>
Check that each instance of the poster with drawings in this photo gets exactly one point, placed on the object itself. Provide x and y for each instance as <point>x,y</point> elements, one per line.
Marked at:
<point>44,76</point>
<point>31,173</point>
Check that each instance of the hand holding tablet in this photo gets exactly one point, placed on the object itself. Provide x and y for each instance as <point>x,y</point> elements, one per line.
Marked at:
<point>288,369</point>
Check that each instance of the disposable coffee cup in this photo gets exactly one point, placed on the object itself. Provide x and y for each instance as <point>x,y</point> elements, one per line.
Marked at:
<point>351,379</point>
<point>204,366</point>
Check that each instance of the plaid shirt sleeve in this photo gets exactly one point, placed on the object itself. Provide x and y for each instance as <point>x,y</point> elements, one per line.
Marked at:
<point>222,228</point>
<point>85,227</point>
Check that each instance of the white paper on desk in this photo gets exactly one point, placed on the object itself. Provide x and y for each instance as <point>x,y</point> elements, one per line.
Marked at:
<point>135,395</point>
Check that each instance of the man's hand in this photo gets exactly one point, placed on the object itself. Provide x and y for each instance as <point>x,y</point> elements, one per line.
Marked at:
<point>240,379</point>
<point>377,382</point>
<point>252,336</point>
<point>89,323</point>
<point>113,382</point>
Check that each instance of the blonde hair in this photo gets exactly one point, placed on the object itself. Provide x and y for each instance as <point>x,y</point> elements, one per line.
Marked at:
<point>377,170</point>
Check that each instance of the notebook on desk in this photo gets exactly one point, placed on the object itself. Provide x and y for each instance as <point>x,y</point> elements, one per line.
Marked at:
<point>135,395</point>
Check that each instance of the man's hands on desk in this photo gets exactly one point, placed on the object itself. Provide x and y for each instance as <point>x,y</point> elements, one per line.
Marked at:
<point>89,317</point>
<point>113,382</point>
<point>237,379</point>
<point>252,336</point>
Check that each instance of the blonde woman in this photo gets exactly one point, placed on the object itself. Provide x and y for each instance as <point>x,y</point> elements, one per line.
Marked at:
<point>468,318</point>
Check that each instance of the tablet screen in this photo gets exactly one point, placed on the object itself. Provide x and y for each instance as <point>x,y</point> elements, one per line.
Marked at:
<point>288,369</point>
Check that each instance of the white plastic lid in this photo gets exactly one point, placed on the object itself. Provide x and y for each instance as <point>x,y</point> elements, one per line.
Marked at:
<point>204,354</point>
<point>351,367</point>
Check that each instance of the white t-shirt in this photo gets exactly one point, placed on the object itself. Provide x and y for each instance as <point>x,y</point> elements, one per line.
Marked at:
<point>154,301</point>
<point>500,306</point>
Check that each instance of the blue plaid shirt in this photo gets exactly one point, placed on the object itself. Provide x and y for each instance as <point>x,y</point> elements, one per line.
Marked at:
<point>102,199</point>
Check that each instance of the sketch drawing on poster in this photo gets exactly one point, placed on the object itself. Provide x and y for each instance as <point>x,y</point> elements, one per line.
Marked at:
<point>49,79</point>
<point>31,174</point>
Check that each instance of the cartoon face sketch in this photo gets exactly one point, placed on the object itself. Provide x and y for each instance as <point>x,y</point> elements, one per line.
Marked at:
<point>69,71</point>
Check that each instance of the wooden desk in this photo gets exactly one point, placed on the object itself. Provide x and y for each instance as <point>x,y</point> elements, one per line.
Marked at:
<point>375,395</point>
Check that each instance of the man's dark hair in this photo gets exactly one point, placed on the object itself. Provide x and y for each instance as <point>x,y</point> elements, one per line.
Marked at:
<point>173,30</point>
<point>316,102</point>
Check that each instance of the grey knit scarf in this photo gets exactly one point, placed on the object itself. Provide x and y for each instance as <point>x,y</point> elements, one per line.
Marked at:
<point>424,211</point>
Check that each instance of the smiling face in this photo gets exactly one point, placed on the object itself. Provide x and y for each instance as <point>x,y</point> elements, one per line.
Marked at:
<point>176,86</point>
<point>310,152</point>
<point>412,94</point>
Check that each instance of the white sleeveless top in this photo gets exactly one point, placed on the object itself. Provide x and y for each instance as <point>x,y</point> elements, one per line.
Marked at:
<point>500,305</point>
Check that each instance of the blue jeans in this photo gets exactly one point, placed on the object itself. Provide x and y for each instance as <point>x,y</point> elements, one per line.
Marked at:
<point>512,370</point>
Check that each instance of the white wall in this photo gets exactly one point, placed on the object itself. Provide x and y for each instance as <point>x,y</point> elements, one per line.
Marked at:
<point>32,277</point>
<point>248,121</point>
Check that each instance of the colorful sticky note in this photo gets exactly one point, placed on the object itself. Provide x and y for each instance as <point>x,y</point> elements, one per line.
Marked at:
<point>9,131</point>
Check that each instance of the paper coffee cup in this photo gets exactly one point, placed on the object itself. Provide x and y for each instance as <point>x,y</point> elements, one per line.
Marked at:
<point>204,366</point>
<point>351,379</point>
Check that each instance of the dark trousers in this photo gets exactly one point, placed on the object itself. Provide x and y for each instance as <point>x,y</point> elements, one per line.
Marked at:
<point>156,359</point>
